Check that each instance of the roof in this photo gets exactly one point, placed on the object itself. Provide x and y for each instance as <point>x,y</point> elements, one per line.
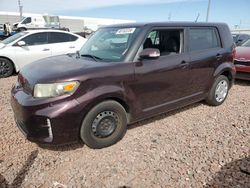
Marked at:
<point>169,24</point>
<point>50,30</point>
<point>45,30</point>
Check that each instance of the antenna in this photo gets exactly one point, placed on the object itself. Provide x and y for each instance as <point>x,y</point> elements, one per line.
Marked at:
<point>20,9</point>
<point>208,10</point>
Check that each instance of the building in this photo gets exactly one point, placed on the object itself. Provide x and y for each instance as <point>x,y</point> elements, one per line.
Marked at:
<point>75,24</point>
<point>246,31</point>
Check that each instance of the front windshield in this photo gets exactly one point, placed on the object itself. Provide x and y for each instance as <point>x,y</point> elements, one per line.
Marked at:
<point>246,44</point>
<point>13,38</point>
<point>109,44</point>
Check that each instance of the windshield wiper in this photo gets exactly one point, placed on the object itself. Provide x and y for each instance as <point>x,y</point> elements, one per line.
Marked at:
<point>91,56</point>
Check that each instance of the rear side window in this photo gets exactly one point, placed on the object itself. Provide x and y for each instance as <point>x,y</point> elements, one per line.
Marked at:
<point>56,37</point>
<point>203,38</point>
<point>36,39</point>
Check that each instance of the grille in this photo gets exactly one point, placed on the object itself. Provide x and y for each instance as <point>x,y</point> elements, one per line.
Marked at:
<point>245,63</point>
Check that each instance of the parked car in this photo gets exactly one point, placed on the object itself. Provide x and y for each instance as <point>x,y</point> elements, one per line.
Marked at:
<point>37,22</point>
<point>28,46</point>
<point>242,61</point>
<point>240,38</point>
<point>123,74</point>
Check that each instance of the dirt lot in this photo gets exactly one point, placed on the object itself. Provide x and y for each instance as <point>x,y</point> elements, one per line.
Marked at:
<point>192,147</point>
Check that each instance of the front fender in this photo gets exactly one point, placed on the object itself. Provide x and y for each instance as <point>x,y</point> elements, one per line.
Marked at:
<point>102,93</point>
<point>16,67</point>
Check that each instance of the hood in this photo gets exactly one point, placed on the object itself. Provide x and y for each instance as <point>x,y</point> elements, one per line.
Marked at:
<point>59,68</point>
<point>242,53</point>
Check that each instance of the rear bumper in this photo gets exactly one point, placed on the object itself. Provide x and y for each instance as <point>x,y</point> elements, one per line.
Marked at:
<point>48,123</point>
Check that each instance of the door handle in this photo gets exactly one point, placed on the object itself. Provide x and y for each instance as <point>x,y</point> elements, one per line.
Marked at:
<point>72,47</point>
<point>184,64</point>
<point>46,49</point>
<point>218,56</point>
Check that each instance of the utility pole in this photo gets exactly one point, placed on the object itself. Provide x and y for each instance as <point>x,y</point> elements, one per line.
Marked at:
<point>169,16</point>
<point>208,10</point>
<point>196,20</point>
<point>20,9</point>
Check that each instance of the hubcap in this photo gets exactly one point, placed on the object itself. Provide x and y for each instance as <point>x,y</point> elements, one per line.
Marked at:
<point>4,68</point>
<point>221,91</point>
<point>105,124</point>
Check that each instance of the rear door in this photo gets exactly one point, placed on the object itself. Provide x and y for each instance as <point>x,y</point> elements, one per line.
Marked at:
<point>62,43</point>
<point>206,53</point>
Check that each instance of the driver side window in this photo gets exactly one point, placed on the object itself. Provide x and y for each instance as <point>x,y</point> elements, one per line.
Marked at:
<point>36,39</point>
<point>166,41</point>
<point>27,20</point>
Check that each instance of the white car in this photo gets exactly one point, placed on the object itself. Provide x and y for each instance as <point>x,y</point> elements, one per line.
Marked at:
<point>28,46</point>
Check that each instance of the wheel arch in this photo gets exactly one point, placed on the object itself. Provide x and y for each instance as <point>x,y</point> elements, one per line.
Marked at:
<point>16,70</point>
<point>105,97</point>
<point>228,70</point>
<point>229,75</point>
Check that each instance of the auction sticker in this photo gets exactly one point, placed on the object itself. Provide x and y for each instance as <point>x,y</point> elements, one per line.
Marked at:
<point>125,31</point>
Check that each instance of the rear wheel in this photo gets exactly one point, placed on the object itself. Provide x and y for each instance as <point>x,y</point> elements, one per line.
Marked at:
<point>219,91</point>
<point>6,68</point>
<point>104,125</point>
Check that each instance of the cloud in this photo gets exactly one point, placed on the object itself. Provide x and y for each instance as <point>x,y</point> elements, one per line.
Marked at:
<point>51,6</point>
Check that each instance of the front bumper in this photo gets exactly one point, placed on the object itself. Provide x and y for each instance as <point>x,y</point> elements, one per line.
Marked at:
<point>47,122</point>
<point>242,72</point>
<point>243,75</point>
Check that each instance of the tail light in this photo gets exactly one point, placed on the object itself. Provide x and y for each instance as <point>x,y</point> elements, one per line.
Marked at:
<point>232,55</point>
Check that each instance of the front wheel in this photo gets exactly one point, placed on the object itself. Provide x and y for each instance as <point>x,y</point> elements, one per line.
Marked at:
<point>104,125</point>
<point>219,91</point>
<point>21,29</point>
<point>6,68</point>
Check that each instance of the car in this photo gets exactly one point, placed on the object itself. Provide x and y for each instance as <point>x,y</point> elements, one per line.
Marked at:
<point>242,61</point>
<point>123,74</point>
<point>240,38</point>
<point>28,46</point>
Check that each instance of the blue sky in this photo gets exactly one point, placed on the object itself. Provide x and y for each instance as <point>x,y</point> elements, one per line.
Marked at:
<point>233,12</point>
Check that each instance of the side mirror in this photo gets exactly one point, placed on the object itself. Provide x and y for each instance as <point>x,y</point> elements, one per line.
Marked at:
<point>150,53</point>
<point>21,43</point>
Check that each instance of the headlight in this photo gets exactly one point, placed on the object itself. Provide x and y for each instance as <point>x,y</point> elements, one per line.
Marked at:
<point>55,89</point>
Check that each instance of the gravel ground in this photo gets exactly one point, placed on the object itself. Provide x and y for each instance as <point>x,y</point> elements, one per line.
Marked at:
<point>196,146</point>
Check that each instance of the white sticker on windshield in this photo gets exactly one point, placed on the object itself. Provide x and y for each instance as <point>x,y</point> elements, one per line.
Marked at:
<point>125,31</point>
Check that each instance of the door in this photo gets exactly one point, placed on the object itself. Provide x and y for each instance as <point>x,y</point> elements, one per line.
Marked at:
<point>36,48</point>
<point>27,23</point>
<point>163,82</point>
<point>205,54</point>
<point>62,43</point>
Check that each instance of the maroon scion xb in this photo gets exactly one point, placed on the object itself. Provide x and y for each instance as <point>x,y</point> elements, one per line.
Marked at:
<point>123,74</point>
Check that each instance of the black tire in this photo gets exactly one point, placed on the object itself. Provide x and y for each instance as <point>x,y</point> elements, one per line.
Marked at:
<point>21,29</point>
<point>6,68</point>
<point>112,112</point>
<point>212,98</point>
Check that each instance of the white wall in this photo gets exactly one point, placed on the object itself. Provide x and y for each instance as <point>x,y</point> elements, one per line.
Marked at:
<point>75,24</point>
<point>247,31</point>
